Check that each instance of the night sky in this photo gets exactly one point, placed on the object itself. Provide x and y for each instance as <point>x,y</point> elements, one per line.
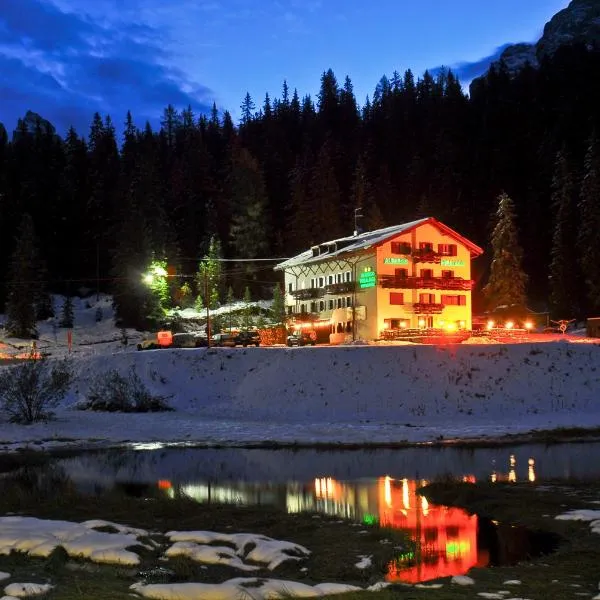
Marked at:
<point>66,59</point>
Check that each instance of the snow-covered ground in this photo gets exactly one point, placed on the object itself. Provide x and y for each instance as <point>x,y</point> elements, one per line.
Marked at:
<point>362,394</point>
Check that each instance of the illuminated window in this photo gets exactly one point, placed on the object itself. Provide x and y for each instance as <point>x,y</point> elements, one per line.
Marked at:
<point>427,298</point>
<point>400,248</point>
<point>426,246</point>
<point>454,300</point>
<point>447,249</point>
<point>396,298</point>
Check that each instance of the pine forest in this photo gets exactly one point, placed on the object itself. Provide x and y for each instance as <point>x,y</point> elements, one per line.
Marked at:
<point>93,210</point>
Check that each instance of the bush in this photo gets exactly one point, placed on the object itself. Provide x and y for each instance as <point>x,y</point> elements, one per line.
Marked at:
<point>28,391</point>
<point>113,392</point>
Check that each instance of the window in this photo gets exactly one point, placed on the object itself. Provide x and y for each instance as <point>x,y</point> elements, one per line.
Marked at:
<point>454,300</point>
<point>330,280</point>
<point>396,298</point>
<point>290,310</point>
<point>313,307</point>
<point>427,298</point>
<point>447,274</point>
<point>401,273</point>
<point>303,308</point>
<point>321,281</point>
<point>348,301</point>
<point>396,323</point>
<point>400,248</point>
<point>348,276</point>
<point>426,246</point>
<point>447,249</point>
<point>290,288</point>
<point>338,278</point>
<point>339,303</point>
<point>321,305</point>
<point>331,305</point>
<point>427,273</point>
<point>312,283</point>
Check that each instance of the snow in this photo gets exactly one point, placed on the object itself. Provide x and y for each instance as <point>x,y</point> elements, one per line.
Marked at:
<point>593,516</point>
<point>38,537</point>
<point>462,580</point>
<point>22,590</point>
<point>365,562</point>
<point>241,589</point>
<point>263,550</point>
<point>350,394</point>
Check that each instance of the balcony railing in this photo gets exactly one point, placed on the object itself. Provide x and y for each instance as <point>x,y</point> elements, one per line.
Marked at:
<point>424,308</point>
<point>308,293</point>
<point>425,283</point>
<point>426,256</point>
<point>346,287</point>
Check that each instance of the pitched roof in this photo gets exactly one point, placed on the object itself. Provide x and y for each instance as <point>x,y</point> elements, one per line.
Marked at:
<point>368,239</point>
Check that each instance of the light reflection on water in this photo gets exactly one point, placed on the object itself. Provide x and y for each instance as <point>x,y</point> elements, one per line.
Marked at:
<point>448,541</point>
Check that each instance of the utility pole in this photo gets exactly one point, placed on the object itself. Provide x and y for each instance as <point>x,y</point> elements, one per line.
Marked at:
<point>357,215</point>
<point>207,300</point>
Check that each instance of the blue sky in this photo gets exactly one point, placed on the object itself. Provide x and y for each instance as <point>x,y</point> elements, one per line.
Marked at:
<point>66,59</point>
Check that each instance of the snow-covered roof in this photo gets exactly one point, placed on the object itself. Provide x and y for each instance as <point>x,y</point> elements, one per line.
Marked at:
<point>368,239</point>
<point>345,245</point>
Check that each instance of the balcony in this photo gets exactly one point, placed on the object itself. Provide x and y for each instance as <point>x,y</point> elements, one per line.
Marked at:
<point>425,283</point>
<point>308,293</point>
<point>346,287</point>
<point>426,256</point>
<point>424,308</point>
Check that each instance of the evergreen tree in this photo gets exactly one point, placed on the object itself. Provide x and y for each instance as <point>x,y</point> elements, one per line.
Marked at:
<point>24,284</point>
<point>278,315</point>
<point>231,320</point>
<point>506,284</point>
<point>247,310</point>
<point>209,277</point>
<point>67,316</point>
<point>247,108</point>
<point>564,272</point>
<point>589,231</point>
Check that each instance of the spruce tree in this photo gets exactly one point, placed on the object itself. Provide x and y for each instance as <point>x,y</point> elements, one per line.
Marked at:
<point>505,288</point>
<point>278,306</point>
<point>24,285</point>
<point>589,230</point>
<point>209,276</point>
<point>564,269</point>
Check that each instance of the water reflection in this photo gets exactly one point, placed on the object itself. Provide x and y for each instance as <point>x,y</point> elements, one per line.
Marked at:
<point>350,485</point>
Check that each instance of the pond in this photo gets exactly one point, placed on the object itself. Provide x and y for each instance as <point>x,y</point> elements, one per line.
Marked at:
<point>367,486</point>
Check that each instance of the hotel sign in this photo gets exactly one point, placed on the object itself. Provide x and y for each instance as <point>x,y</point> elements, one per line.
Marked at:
<point>395,261</point>
<point>449,262</point>
<point>367,279</point>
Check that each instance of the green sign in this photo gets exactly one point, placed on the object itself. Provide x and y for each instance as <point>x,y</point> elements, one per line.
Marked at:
<point>449,262</point>
<point>395,261</point>
<point>367,279</point>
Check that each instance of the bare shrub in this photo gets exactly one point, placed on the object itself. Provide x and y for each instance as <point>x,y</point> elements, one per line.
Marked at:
<point>30,390</point>
<point>113,392</point>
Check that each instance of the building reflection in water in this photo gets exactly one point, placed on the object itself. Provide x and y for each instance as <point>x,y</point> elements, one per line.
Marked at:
<point>445,538</point>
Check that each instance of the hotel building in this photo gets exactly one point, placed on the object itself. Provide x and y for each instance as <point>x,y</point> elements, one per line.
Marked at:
<point>372,284</point>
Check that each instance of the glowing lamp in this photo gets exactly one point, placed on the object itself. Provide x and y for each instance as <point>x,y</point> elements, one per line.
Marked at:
<point>451,327</point>
<point>490,324</point>
<point>528,325</point>
<point>509,325</point>
<point>461,323</point>
<point>148,278</point>
<point>421,322</point>
<point>402,324</point>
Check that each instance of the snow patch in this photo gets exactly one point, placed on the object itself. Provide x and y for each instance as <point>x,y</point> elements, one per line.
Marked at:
<point>22,590</point>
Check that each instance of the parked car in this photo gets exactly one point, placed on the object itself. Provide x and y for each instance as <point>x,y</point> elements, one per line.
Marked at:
<point>302,338</point>
<point>247,338</point>
<point>223,339</point>
<point>188,340</point>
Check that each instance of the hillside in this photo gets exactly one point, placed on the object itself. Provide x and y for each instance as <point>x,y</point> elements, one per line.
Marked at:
<point>346,394</point>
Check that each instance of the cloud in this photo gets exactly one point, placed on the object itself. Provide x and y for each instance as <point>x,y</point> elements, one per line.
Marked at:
<point>66,65</point>
<point>467,71</point>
